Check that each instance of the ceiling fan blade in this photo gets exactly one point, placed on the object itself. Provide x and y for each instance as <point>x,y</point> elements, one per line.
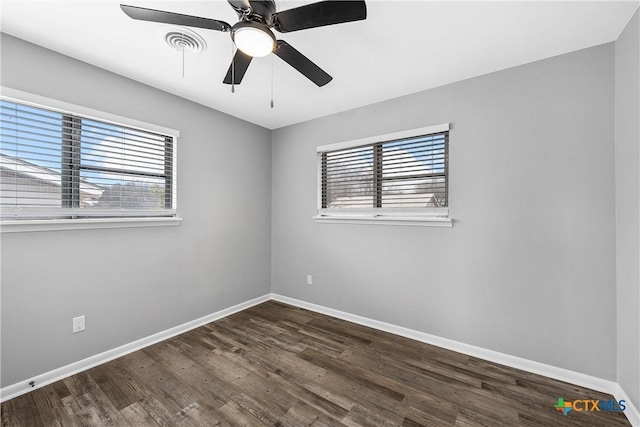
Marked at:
<point>241,61</point>
<point>301,63</point>
<point>144,14</point>
<point>319,14</point>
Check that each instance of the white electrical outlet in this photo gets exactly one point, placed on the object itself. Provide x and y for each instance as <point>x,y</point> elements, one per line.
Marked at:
<point>78,324</point>
<point>309,279</point>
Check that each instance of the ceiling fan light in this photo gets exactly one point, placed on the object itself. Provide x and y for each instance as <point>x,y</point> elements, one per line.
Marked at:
<point>253,39</point>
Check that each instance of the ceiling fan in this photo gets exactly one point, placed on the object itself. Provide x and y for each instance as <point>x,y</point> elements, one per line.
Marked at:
<point>253,36</point>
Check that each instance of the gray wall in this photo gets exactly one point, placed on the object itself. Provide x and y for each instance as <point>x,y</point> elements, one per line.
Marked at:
<point>528,268</point>
<point>627,157</point>
<point>131,283</point>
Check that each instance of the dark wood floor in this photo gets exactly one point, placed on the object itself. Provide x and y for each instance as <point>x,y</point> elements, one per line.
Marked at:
<point>278,365</point>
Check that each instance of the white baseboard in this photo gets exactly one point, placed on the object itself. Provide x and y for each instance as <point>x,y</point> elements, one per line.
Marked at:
<point>583,380</point>
<point>566,375</point>
<point>42,380</point>
<point>632,413</point>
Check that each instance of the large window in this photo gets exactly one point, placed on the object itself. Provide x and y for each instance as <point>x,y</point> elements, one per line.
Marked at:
<point>403,174</point>
<point>55,164</point>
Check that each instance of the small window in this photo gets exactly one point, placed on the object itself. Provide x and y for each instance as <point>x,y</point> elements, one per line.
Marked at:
<point>56,165</point>
<point>404,174</point>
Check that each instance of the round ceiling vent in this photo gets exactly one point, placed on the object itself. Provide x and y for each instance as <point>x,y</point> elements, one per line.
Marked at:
<point>180,39</point>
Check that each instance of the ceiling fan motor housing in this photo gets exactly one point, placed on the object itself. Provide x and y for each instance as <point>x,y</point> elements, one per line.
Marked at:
<point>261,11</point>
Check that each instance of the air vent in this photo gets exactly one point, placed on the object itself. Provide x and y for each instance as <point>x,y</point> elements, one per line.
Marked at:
<point>180,39</point>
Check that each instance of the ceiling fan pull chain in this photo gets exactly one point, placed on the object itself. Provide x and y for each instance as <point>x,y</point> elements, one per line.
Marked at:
<point>272,81</point>
<point>182,43</point>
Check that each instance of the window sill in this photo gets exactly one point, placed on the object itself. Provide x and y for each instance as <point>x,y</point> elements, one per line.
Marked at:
<point>23,226</point>
<point>385,220</point>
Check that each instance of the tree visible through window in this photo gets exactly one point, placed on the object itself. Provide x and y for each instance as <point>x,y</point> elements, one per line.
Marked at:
<point>54,164</point>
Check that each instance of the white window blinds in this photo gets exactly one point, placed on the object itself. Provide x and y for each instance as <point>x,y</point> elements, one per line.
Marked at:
<point>59,165</point>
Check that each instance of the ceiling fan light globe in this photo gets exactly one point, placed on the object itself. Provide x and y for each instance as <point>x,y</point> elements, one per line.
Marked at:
<point>254,40</point>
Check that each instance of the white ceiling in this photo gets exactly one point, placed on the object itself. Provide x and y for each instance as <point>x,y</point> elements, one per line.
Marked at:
<point>401,48</point>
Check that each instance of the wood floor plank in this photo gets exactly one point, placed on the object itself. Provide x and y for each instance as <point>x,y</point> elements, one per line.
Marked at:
<point>136,415</point>
<point>432,408</point>
<point>173,394</point>
<point>431,418</point>
<point>376,384</point>
<point>236,415</point>
<point>195,416</point>
<point>278,365</point>
<point>80,384</point>
<point>60,388</point>
<point>120,393</point>
<point>159,412</point>
<point>300,414</point>
<point>51,409</point>
<point>109,415</point>
<point>294,385</point>
<point>122,377</point>
<point>82,410</point>
<point>212,392</point>
<point>362,395</point>
<point>360,416</point>
<point>21,411</point>
<point>94,409</point>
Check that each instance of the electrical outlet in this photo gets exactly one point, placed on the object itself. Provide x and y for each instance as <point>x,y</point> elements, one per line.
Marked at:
<point>309,279</point>
<point>78,324</point>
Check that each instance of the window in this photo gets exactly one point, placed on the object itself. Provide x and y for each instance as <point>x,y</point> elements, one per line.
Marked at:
<point>396,176</point>
<point>60,165</point>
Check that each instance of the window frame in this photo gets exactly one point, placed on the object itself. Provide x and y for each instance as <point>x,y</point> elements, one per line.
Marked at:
<point>114,218</point>
<point>438,217</point>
